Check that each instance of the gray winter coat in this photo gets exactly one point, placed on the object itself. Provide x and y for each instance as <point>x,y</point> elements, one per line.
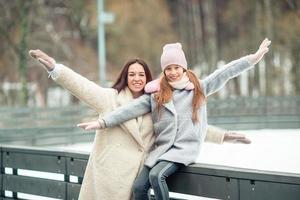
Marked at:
<point>177,138</point>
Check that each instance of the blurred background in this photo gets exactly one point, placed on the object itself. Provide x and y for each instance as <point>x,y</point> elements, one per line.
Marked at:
<point>212,33</point>
<point>263,103</point>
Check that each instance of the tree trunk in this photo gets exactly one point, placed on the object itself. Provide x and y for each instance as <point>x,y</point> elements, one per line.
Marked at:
<point>269,57</point>
<point>197,32</point>
<point>210,36</point>
<point>24,12</point>
<point>255,84</point>
<point>295,58</point>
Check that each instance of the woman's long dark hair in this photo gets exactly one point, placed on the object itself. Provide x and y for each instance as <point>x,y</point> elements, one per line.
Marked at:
<point>121,81</point>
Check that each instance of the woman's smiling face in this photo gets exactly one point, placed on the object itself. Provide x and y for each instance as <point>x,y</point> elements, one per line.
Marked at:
<point>136,79</point>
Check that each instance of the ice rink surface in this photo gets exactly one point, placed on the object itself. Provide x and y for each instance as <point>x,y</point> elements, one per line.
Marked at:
<point>271,150</point>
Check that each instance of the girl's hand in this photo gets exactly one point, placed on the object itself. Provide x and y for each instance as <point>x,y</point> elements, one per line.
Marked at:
<point>47,61</point>
<point>94,125</point>
<point>236,137</point>
<point>263,48</point>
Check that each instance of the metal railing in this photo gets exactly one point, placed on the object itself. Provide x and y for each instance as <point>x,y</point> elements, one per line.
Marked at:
<point>212,181</point>
<point>47,126</point>
<point>255,113</point>
<point>65,164</point>
<point>239,112</point>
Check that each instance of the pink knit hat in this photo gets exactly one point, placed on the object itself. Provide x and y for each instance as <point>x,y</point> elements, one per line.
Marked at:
<point>173,54</point>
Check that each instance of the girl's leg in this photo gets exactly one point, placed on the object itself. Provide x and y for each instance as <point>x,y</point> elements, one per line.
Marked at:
<point>158,175</point>
<point>141,185</point>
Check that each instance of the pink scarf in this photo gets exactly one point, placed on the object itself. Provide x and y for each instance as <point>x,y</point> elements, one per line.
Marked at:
<point>183,83</point>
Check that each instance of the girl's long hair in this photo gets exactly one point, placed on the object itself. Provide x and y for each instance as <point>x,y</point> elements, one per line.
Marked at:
<point>165,94</point>
<point>122,79</point>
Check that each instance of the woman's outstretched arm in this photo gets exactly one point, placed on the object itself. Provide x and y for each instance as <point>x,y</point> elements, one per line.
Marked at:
<point>218,135</point>
<point>87,91</point>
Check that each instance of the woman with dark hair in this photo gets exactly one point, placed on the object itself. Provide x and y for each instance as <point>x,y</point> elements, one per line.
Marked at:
<point>122,80</point>
<point>118,153</point>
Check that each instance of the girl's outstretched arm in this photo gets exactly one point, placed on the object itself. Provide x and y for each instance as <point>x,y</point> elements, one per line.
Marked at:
<point>218,78</point>
<point>259,54</point>
<point>134,109</point>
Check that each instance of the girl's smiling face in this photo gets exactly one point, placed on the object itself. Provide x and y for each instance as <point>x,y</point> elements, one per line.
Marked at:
<point>174,72</point>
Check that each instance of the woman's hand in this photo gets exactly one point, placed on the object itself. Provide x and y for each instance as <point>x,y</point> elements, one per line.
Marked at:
<point>262,50</point>
<point>94,125</point>
<point>47,61</point>
<point>236,137</point>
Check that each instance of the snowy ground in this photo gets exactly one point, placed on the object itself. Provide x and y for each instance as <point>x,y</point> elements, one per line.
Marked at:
<point>271,150</point>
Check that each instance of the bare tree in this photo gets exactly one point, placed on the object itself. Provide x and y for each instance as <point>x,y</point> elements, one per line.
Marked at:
<point>17,15</point>
<point>269,59</point>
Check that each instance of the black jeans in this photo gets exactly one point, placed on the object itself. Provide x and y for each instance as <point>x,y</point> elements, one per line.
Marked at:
<point>154,177</point>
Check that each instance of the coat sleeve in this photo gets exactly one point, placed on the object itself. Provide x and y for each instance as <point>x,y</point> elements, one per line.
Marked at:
<point>216,80</point>
<point>98,98</point>
<point>134,109</point>
<point>214,134</point>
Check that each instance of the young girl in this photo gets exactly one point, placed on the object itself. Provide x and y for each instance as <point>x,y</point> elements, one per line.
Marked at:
<point>178,111</point>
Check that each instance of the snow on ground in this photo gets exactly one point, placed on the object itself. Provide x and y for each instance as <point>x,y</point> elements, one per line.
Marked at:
<point>270,150</point>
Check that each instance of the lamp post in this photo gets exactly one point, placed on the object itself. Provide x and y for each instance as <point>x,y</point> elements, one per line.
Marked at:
<point>103,18</point>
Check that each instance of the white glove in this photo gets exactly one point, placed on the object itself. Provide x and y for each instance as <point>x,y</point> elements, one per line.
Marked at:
<point>94,125</point>
<point>263,48</point>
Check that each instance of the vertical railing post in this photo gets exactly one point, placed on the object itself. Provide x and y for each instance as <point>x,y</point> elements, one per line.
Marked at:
<point>1,173</point>
<point>66,176</point>
<point>15,194</point>
<point>80,179</point>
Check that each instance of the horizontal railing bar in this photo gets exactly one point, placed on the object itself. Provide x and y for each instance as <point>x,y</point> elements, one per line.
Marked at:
<point>242,173</point>
<point>43,151</point>
<point>31,161</point>
<point>36,186</point>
